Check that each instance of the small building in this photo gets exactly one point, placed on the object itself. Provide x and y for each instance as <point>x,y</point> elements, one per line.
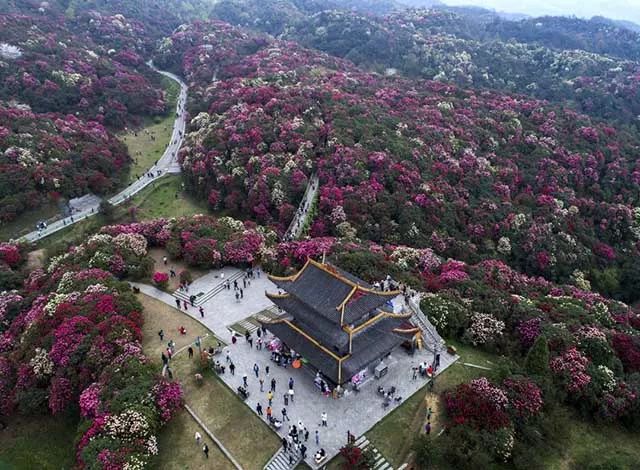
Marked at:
<point>337,323</point>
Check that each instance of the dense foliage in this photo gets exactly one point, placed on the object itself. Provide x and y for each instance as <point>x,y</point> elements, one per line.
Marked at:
<point>471,175</point>
<point>47,156</point>
<point>70,340</point>
<point>554,59</point>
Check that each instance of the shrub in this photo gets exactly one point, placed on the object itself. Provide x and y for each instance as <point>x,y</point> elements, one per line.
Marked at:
<point>160,280</point>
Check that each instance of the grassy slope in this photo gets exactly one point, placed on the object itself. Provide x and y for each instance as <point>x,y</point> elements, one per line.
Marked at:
<point>142,149</point>
<point>249,440</point>
<point>45,443</point>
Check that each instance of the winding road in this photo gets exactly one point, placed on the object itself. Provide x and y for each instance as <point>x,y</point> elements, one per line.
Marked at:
<point>300,218</point>
<point>168,163</point>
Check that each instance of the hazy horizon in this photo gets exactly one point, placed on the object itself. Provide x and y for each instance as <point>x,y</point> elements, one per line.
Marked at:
<point>615,9</point>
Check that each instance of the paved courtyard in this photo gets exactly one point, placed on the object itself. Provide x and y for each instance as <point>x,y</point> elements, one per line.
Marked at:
<point>355,412</point>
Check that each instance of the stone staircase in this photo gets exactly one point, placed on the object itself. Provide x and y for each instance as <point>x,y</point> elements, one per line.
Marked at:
<point>280,461</point>
<point>203,297</point>
<point>380,462</point>
<point>431,338</point>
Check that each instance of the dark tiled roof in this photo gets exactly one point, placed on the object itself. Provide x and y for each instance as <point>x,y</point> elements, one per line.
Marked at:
<point>324,288</point>
<point>372,344</point>
<point>324,331</point>
<point>318,358</point>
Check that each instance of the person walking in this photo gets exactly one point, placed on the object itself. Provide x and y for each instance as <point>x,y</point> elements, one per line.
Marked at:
<point>228,356</point>
<point>165,359</point>
<point>270,397</point>
<point>186,305</point>
<point>241,294</point>
<point>290,382</point>
<point>259,344</point>
<point>205,449</point>
<point>266,371</point>
<point>269,412</point>
<point>190,352</point>
<point>273,382</point>
<point>429,414</point>
<point>256,370</point>
<point>259,409</point>
<point>285,416</point>
<point>261,385</point>
<point>244,380</point>
<point>427,428</point>
<point>164,260</point>
<point>198,437</point>
<point>201,312</point>
<point>303,451</point>
<point>250,341</point>
<point>291,395</point>
<point>324,419</point>
<point>306,434</point>
<point>232,368</point>
<point>317,438</point>
<point>178,303</point>
<point>237,297</point>
<point>161,334</point>
<point>285,396</point>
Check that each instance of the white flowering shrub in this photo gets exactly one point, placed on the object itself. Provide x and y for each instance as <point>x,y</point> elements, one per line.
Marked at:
<point>484,328</point>
<point>41,363</point>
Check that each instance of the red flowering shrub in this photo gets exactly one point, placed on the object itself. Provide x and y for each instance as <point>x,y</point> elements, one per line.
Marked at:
<point>160,280</point>
<point>482,406</point>
<point>168,397</point>
<point>525,397</point>
<point>627,348</point>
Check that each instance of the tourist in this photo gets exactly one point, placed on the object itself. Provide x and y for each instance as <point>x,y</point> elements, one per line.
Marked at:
<point>201,312</point>
<point>324,419</point>
<point>303,451</point>
<point>259,344</point>
<point>186,305</point>
<point>300,426</point>
<point>261,385</point>
<point>306,434</point>
<point>269,411</point>
<point>198,437</point>
<point>284,415</point>
<point>286,399</point>
<point>172,273</point>
<point>273,381</point>
<point>169,353</point>
<point>427,428</point>
<point>270,397</point>
<point>256,369</point>
<point>190,352</point>
<point>291,395</point>
<point>235,285</point>
<point>241,294</point>
<point>205,449</point>
<point>232,368</point>
<point>429,414</point>
<point>259,409</point>
<point>161,334</point>
<point>244,380</point>
<point>178,303</point>
<point>250,341</point>
<point>233,339</point>
<point>164,260</point>
<point>317,438</point>
<point>291,382</point>
<point>237,297</point>
<point>259,332</point>
<point>182,330</point>
<point>285,444</point>
<point>165,359</point>
<point>228,356</point>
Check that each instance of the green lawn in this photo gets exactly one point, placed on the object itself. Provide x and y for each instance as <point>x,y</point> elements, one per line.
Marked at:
<point>143,150</point>
<point>43,443</point>
<point>247,437</point>
<point>159,200</point>
<point>27,221</point>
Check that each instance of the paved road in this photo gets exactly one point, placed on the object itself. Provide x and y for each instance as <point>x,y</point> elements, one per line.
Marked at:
<point>168,163</point>
<point>299,219</point>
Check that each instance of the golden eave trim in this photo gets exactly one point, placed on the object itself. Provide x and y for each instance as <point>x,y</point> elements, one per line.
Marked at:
<point>380,316</point>
<point>277,296</point>
<point>350,282</point>
<point>292,277</point>
<point>406,330</point>
<point>314,341</point>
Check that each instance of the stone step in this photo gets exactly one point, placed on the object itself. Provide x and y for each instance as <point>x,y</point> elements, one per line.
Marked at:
<point>403,466</point>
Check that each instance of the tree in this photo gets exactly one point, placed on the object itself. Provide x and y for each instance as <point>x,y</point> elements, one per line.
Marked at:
<point>107,210</point>
<point>424,451</point>
<point>537,360</point>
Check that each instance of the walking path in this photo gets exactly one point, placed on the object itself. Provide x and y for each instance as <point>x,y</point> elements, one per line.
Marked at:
<point>300,218</point>
<point>168,163</point>
<point>355,412</point>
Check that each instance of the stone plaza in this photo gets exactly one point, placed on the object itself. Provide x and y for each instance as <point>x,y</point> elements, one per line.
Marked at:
<point>355,412</point>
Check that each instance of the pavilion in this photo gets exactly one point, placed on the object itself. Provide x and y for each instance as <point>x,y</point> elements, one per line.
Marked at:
<point>338,323</point>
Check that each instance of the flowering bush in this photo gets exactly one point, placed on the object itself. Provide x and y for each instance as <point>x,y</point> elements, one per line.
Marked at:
<point>168,397</point>
<point>484,328</point>
<point>160,280</point>
<point>571,367</point>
